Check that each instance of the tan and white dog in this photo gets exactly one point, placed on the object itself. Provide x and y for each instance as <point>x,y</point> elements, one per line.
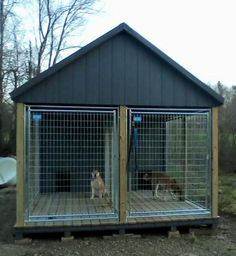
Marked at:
<point>167,183</point>
<point>97,185</point>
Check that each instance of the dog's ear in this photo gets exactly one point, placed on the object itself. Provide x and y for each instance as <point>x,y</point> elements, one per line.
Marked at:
<point>94,173</point>
<point>145,176</point>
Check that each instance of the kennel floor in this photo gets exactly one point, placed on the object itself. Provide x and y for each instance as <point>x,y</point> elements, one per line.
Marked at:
<point>142,207</point>
<point>64,209</point>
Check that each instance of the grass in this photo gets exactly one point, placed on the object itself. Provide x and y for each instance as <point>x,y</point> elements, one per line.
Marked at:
<point>227,193</point>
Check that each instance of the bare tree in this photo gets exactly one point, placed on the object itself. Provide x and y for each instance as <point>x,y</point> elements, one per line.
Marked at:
<point>22,58</point>
<point>57,21</point>
<point>6,20</point>
<point>31,69</point>
<point>15,68</point>
<point>1,53</point>
<point>6,12</point>
<point>15,72</point>
<point>1,75</point>
<point>227,128</point>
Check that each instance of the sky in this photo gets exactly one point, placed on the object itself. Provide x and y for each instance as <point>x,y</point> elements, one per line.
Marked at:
<point>200,35</point>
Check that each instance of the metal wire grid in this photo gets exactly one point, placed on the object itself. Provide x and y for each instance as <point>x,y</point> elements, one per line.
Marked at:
<point>63,147</point>
<point>176,144</point>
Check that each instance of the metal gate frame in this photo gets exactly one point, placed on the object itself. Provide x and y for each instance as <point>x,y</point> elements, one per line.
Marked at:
<point>196,209</point>
<point>36,110</point>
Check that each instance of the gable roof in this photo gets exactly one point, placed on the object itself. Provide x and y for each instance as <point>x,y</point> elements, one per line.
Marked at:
<point>123,27</point>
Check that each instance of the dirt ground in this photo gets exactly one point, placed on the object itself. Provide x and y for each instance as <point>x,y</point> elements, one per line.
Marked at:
<point>222,242</point>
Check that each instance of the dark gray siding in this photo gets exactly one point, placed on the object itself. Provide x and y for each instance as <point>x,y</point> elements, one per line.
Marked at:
<point>121,71</point>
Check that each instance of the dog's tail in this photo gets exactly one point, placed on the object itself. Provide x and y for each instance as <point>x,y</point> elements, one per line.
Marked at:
<point>105,194</point>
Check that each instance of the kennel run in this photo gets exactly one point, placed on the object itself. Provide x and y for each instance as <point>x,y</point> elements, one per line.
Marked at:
<point>113,107</point>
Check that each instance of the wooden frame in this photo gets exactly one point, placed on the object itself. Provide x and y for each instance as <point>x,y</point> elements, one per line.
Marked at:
<point>20,138</point>
<point>123,164</point>
<point>123,194</point>
<point>215,162</point>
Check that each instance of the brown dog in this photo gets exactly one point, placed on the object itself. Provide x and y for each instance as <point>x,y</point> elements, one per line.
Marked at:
<point>167,182</point>
<point>97,185</point>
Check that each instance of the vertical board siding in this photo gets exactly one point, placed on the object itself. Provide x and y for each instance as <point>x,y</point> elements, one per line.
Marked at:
<point>167,85</point>
<point>143,78</point>
<point>179,97</point>
<point>92,76</point>
<point>105,70</point>
<point>131,78</point>
<point>190,97</point>
<point>59,85</point>
<point>79,81</point>
<point>118,69</point>
<point>155,81</point>
<point>48,89</point>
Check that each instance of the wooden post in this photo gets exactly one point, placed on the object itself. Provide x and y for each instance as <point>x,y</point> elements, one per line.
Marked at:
<point>185,138</point>
<point>20,165</point>
<point>215,162</point>
<point>123,164</point>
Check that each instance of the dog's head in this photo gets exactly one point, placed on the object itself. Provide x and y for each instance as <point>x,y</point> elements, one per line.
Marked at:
<point>177,189</point>
<point>146,176</point>
<point>95,174</point>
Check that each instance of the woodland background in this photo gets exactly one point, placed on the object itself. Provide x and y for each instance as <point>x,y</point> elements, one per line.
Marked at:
<point>24,53</point>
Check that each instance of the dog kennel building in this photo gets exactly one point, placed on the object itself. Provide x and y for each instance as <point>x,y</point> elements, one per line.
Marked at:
<point>120,106</point>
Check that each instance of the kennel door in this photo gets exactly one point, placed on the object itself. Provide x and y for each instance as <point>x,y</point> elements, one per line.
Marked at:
<point>176,144</point>
<point>64,146</point>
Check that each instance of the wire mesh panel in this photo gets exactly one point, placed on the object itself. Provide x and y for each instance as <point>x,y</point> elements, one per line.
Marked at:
<point>169,162</point>
<point>71,167</point>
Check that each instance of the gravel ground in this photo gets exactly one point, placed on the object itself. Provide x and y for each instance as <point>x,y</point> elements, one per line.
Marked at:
<point>222,242</point>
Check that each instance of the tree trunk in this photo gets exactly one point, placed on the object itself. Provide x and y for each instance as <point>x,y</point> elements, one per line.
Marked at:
<point>1,74</point>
